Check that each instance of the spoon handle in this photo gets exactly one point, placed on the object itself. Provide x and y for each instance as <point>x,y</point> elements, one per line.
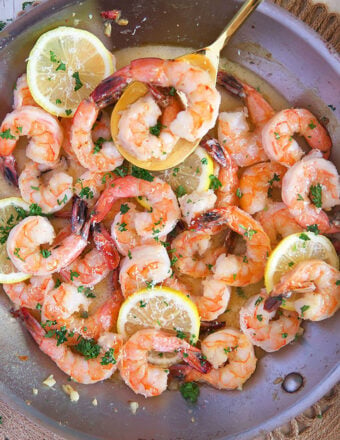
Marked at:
<point>247,8</point>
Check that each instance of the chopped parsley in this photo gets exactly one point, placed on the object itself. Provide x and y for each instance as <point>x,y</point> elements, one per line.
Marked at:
<point>284,335</point>
<point>337,282</point>
<point>85,192</point>
<point>259,300</point>
<point>277,136</point>
<point>38,306</point>
<point>313,228</point>
<point>16,253</point>
<point>108,358</point>
<point>7,134</point>
<point>68,112</point>
<point>129,255</point>
<point>120,171</point>
<point>53,57</point>
<point>88,348</point>
<point>291,264</point>
<point>156,129</point>
<point>124,208</point>
<point>61,66</point>
<point>172,91</point>
<point>78,84</point>
<point>299,197</point>
<point>276,178</point>
<point>304,309</point>
<point>190,391</point>
<point>332,107</point>
<point>204,161</point>
<point>259,317</point>
<point>245,259</point>
<point>98,145</point>
<point>311,125</point>
<point>57,283</point>
<point>180,191</point>
<point>86,291</point>
<point>140,173</point>
<point>249,232</point>
<point>122,227</point>
<point>62,201</point>
<point>214,182</point>
<point>239,193</point>
<point>106,176</point>
<point>240,292</point>
<point>316,195</point>
<point>179,333</point>
<point>58,101</point>
<point>304,237</point>
<point>45,253</point>
<point>73,274</point>
<point>142,303</point>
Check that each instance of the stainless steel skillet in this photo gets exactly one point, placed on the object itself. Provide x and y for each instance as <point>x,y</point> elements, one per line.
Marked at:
<point>296,62</point>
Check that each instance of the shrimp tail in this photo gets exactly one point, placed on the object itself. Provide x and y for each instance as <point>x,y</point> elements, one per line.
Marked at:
<point>106,245</point>
<point>231,84</point>
<point>214,218</point>
<point>110,90</point>
<point>211,326</point>
<point>78,215</point>
<point>179,371</point>
<point>31,324</point>
<point>213,147</point>
<point>272,303</point>
<point>161,95</point>
<point>195,359</point>
<point>8,169</point>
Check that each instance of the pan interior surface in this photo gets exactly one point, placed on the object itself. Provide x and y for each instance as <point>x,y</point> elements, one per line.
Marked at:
<point>292,59</point>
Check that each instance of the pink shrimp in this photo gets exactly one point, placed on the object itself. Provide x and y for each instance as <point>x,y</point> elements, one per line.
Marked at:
<point>244,146</point>
<point>78,367</point>
<point>22,94</point>
<point>29,294</point>
<point>278,141</point>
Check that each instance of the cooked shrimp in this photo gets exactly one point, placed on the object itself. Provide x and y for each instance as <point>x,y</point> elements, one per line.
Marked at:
<point>202,98</point>
<point>31,293</point>
<point>135,131</point>
<point>278,141</point>
<point>232,357</point>
<point>22,95</point>
<point>277,222</point>
<point>62,305</point>
<point>147,379</point>
<point>43,129</point>
<point>23,247</point>
<point>238,270</point>
<point>257,183</point>
<point>91,269</point>
<point>318,283</point>
<point>89,186</point>
<point>93,151</point>
<point>310,187</point>
<point>165,211</point>
<point>126,236</point>
<point>196,203</point>
<point>77,366</point>
<point>193,254</point>
<point>51,196</point>
<point>244,146</point>
<point>262,329</point>
<point>145,264</point>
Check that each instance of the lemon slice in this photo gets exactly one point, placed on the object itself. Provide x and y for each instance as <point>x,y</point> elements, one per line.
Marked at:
<point>64,66</point>
<point>9,218</point>
<point>295,248</point>
<point>190,175</point>
<point>162,308</point>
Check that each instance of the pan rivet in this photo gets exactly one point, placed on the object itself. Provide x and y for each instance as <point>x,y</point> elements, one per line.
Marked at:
<point>292,382</point>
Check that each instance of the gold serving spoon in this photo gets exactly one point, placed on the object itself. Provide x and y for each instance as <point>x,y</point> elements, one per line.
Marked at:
<point>207,59</point>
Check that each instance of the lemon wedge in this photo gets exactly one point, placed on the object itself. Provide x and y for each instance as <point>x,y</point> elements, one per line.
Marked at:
<point>9,210</point>
<point>295,248</point>
<point>162,308</point>
<point>64,67</point>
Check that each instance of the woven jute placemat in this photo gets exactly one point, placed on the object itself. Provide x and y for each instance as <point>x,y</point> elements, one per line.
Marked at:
<point>322,420</point>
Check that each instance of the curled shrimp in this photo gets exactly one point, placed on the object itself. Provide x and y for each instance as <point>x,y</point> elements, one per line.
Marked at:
<point>62,306</point>
<point>278,141</point>
<point>31,293</point>
<point>232,357</point>
<point>52,195</point>
<point>277,222</point>
<point>135,130</point>
<point>196,203</point>
<point>75,365</point>
<point>126,237</point>
<point>244,146</point>
<point>238,270</point>
<point>310,187</point>
<point>193,253</point>
<point>315,288</point>
<point>228,172</point>
<point>22,95</point>
<point>202,98</point>
<point>25,239</point>
<point>89,186</point>
<point>262,329</point>
<point>145,378</point>
<point>164,213</point>
<point>94,151</point>
<point>257,183</point>
<point>43,129</point>
<point>145,264</point>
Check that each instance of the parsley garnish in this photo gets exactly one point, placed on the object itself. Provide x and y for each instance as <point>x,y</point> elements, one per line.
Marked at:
<point>129,255</point>
<point>277,136</point>
<point>62,201</point>
<point>284,335</point>
<point>88,348</point>
<point>304,237</point>
<point>239,193</point>
<point>73,274</point>
<point>190,391</point>
<point>311,125</point>
<point>120,171</point>
<point>240,292</point>
<point>313,228</point>
<point>7,134</point>
<point>61,66</point>
<point>53,57</point>
<point>68,112</point>
<point>142,303</point>
<point>57,283</point>
<point>316,195</point>
<point>214,182</point>
<point>122,227</point>
<point>45,253</point>
<point>249,232</point>
<point>180,191</point>
<point>204,161</point>
<point>86,291</point>
<point>140,173</point>
<point>16,253</point>
<point>299,197</point>
<point>108,358</point>
<point>124,208</point>
<point>172,91</point>
<point>259,300</point>
<point>156,129</point>
<point>78,84</point>
<point>179,333</point>
<point>304,309</point>
<point>98,145</point>
<point>259,317</point>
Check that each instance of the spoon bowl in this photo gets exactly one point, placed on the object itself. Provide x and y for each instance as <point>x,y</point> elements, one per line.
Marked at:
<point>206,59</point>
